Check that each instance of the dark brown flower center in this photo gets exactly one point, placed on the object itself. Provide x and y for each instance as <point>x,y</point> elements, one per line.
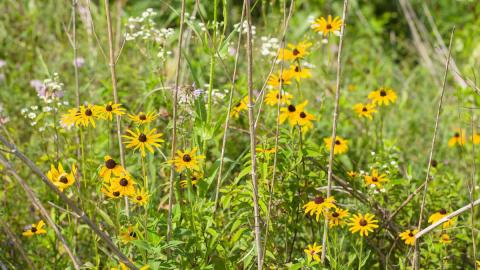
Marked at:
<point>411,234</point>
<point>319,200</point>
<point>33,229</point>
<point>303,115</point>
<point>297,69</point>
<point>443,211</point>
<point>434,163</point>
<point>123,182</point>
<point>133,234</point>
<point>338,142</point>
<point>295,52</point>
<point>238,104</point>
<point>110,164</point>
<point>142,117</point>
<point>142,138</point>
<point>329,26</point>
<point>363,222</point>
<point>139,198</point>
<point>88,112</point>
<point>187,158</point>
<point>374,179</point>
<point>335,214</point>
<point>291,108</point>
<point>109,108</point>
<point>383,93</point>
<point>116,193</point>
<point>64,179</point>
<point>456,135</point>
<point>364,109</point>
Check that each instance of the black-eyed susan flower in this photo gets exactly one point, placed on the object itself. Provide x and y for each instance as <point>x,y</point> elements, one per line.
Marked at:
<point>239,107</point>
<point>383,96</point>
<point>458,138</point>
<point>365,110</point>
<point>299,72</point>
<point>143,118</point>
<point>123,184</point>
<point>87,116</point>
<point>140,197</point>
<point>194,178</point>
<point>439,215</point>
<point>187,160</point>
<point>275,79</point>
<point>319,206</point>
<point>292,112</point>
<point>336,217</point>
<point>304,120</point>
<point>70,118</point>
<point>35,229</point>
<point>363,224</point>
<point>294,51</point>
<point>60,178</point>
<point>375,179</point>
<point>408,236</point>
<point>110,192</point>
<point>273,97</point>
<point>108,110</point>
<point>110,167</point>
<point>313,252</point>
<point>265,151</point>
<point>476,138</point>
<point>130,234</point>
<point>352,174</point>
<point>325,26</point>
<point>141,140</point>
<point>340,147</point>
<point>445,239</point>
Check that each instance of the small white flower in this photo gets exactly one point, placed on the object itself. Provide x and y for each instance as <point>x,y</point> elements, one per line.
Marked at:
<point>372,153</point>
<point>32,115</point>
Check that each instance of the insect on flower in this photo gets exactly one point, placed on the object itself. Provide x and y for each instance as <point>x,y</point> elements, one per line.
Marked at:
<point>35,229</point>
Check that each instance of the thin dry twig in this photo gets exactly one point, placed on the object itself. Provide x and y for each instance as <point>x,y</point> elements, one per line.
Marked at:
<point>174,129</point>
<point>471,192</point>
<point>253,143</point>
<point>36,202</point>
<point>334,125</point>
<point>432,148</point>
<point>83,216</point>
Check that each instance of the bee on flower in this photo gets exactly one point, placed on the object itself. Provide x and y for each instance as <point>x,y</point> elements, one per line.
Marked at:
<point>319,206</point>
<point>326,26</point>
<point>60,178</point>
<point>458,138</point>
<point>143,118</point>
<point>294,51</point>
<point>141,140</point>
<point>110,109</point>
<point>35,229</point>
<point>363,224</point>
<point>340,147</point>
<point>365,110</point>
<point>187,160</point>
<point>383,96</point>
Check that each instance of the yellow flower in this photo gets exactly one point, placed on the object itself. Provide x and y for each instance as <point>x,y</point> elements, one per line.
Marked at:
<point>313,252</point>
<point>336,217</point>
<point>365,110</point>
<point>194,178</point>
<point>458,138</point>
<point>304,120</point>
<point>187,160</point>
<point>35,229</point>
<point>273,97</point>
<point>319,206</point>
<point>70,118</point>
<point>240,106</point>
<point>146,139</point>
<point>123,184</point>
<point>140,197</point>
<point>375,179</point>
<point>439,215</point>
<point>124,267</point>
<point>294,52</point>
<point>111,192</point>
<point>110,167</point>
<point>60,178</point>
<point>275,79</point>
<point>143,118</point>
<point>265,151</point>
<point>108,110</point>
<point>341,145</point>
<point>298,72</point>
<point>325,27</point>
<point>363,224</point>
<point>445,239</point>
<point>383,96</point>
<point>87,115</point>
<point>292,113</point>
<point>130,234</point>
<point>476,138</point>
<point>352,174</point>
<point>409,237</point>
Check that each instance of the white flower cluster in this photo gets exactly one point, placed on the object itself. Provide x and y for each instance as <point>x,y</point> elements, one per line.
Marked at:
<point>144,28</point>
<point>270,46</point>
<point>36,114</point>
<point>244,28</point>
